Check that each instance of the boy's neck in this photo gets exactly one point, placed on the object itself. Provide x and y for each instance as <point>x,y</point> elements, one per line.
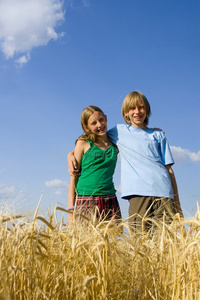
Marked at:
<point>142,126</point>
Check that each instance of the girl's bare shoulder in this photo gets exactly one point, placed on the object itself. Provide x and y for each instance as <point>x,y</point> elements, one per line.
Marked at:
<point>82,145</point>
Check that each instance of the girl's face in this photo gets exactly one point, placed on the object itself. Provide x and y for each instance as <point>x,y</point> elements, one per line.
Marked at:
<point>137,115</point>
<point>97,123</point>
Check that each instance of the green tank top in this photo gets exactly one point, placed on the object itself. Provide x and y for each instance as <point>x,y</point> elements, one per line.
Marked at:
<point>97,169</point>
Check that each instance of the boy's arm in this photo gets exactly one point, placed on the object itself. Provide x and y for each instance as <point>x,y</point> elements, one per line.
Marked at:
<point>72,164</point>
<point>175,190</point>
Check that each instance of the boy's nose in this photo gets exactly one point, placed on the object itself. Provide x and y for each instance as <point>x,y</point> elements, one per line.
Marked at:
<point>137,109</point>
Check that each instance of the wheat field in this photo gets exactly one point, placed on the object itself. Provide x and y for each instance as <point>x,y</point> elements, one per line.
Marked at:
<point>42,258</point>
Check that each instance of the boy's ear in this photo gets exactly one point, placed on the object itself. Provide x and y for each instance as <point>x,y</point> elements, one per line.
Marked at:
<point>106,117</point>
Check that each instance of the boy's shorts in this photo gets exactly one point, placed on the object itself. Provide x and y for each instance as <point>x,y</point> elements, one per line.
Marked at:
<point>142,207</point>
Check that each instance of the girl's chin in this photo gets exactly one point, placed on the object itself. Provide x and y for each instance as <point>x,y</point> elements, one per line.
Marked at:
<point>101,133</point>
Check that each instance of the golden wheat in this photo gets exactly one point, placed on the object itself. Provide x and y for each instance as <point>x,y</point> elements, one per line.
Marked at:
<point>45,259</point>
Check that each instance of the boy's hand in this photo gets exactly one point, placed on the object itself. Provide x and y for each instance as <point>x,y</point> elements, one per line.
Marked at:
<point>72,164</point>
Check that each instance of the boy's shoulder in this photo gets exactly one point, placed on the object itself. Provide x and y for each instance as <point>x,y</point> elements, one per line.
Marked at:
<point>126,128</point>
<point>157,133</point>
<point>120,126</point>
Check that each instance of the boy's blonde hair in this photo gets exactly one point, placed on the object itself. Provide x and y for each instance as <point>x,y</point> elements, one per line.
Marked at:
<point>86,113</point>
<point>132,100</point>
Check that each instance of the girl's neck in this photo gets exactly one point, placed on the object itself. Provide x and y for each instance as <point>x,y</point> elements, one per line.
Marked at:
<point>103,142</point>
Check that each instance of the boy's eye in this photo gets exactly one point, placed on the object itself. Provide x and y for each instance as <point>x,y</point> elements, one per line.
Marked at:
<point>139,107</point>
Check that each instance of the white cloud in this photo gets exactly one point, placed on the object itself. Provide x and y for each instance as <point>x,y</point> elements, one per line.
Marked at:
<point>56,183</point>
<point>194,156</point>
<point>7,192</point>
<point>181,154</point>
<point>26,24</point>
<point>23,59</point>
<point>77,4</point>
<point>12,200</point>
<point>60,186</point>
<point>86,3</point>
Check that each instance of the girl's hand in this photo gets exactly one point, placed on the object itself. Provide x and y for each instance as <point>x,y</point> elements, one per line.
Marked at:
<point>72,164</point>
<point>155,128</point>
<point>70,220</point>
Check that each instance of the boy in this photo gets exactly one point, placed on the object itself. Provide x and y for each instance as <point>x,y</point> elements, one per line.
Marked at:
<point>147,179</point>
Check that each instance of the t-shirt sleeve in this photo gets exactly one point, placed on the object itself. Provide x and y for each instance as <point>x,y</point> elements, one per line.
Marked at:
<point>113,134</point>
<point>166,154</point>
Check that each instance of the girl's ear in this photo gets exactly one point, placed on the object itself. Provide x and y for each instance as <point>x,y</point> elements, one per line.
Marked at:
<point>86,130</point>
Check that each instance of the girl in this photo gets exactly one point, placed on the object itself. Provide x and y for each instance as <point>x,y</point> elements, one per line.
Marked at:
<point>96,158</point>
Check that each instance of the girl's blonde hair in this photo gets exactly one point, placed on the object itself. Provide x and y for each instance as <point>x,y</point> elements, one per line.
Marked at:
<point>86,113</point>
<point>132,100</point>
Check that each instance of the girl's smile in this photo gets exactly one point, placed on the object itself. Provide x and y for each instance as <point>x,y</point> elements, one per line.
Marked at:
<point>97,123</point>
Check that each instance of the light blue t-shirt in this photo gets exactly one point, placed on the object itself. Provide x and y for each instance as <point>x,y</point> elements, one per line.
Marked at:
<point>144,154</point>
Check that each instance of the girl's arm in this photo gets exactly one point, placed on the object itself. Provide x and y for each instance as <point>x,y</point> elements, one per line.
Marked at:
<point>71,197</point>
<point>80,149</point>
<point>175,189</point>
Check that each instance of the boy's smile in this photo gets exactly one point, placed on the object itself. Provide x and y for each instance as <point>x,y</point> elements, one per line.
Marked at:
<point>137,115</point>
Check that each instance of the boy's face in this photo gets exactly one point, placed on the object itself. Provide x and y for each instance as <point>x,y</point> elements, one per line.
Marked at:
<point>137,115</point>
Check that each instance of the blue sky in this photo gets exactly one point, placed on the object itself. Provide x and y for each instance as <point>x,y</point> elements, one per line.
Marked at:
<point>57,57</point>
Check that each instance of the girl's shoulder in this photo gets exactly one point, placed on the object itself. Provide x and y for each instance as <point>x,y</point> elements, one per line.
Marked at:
<point>82,142</point>
<point>83,145</point>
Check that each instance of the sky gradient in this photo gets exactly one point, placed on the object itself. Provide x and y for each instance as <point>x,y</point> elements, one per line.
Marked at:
<point>57,57</point>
